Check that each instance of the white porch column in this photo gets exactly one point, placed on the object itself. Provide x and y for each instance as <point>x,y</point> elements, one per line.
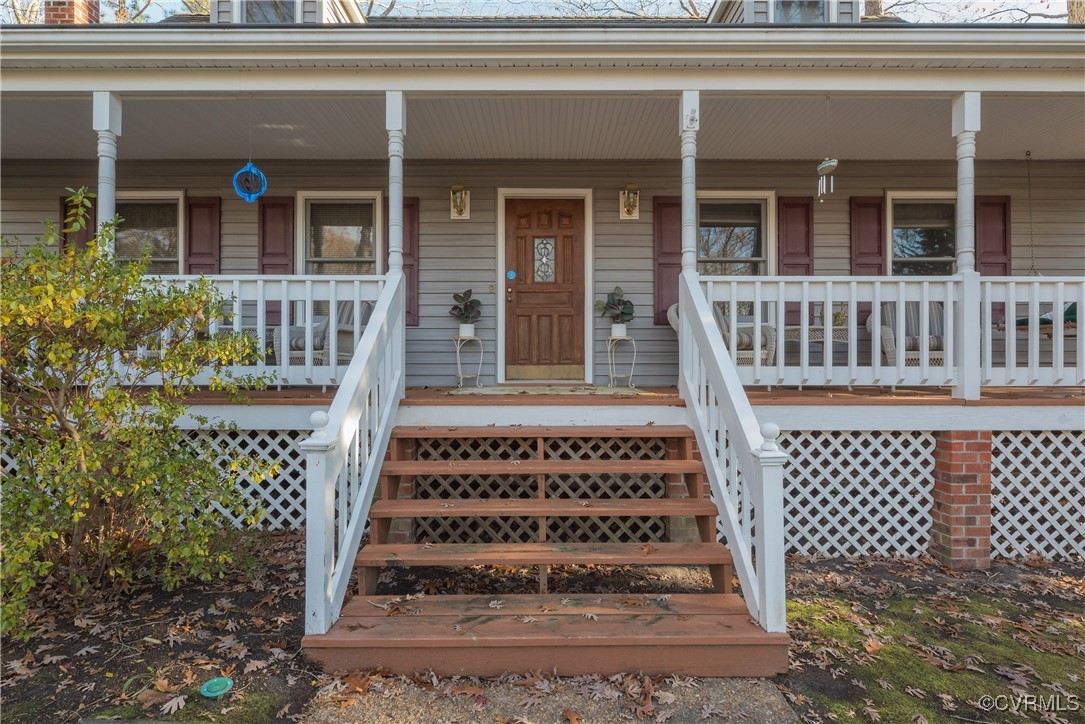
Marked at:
<point>396,124</point>
<point>106,120</point>
<point>689,123</point>
<point>966,123</point>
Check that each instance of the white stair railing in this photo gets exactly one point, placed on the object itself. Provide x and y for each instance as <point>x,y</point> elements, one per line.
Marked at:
<point>343,458</point>
<point>743,462</point>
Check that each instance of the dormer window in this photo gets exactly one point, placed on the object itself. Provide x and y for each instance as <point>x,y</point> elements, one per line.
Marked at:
<point>799,11</point>
<point>267,11</point>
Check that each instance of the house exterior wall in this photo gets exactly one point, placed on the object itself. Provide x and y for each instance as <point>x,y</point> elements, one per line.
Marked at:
<point>847,11</point>
<point>458,254</point>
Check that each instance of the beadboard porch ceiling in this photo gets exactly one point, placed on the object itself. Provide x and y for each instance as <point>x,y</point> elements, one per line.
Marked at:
<point>558,127</point>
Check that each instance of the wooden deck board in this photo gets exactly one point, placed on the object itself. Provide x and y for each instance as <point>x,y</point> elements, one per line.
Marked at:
<point>534,554</point>
<point>556,604</point>
<point>560,507</point>
<point>540,467</point>
<point>536,431</point>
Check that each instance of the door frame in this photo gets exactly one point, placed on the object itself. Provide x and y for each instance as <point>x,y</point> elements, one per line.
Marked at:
<point>584,195</point>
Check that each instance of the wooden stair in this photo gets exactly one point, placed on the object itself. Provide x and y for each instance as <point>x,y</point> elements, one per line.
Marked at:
<point>707,634</point>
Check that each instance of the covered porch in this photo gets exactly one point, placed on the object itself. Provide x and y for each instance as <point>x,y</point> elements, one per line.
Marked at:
<point>817,285</point>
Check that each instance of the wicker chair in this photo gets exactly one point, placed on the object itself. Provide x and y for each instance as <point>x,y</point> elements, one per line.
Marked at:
<point>744,352</point>
<point>888,332</point>
<point>322,331</point>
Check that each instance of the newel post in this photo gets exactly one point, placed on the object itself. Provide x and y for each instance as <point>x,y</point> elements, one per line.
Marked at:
<point>769,535</point>
<point>966,321</point>
<point>106,121</point>
<point>319,526</point>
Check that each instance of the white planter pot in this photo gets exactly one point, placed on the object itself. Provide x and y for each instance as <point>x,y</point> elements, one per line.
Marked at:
<point>467,330</point>
<point>618,330</point>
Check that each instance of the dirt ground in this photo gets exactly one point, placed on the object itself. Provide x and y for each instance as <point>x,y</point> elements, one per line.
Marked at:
<point>896,640</point>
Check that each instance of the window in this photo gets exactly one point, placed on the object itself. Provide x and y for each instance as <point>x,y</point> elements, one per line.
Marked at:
<point>341,236</point>
<point>923,236</point>
<point>150,226</point>
<point>267,11</point>
<point>799,11</point>
<point>731,238</point>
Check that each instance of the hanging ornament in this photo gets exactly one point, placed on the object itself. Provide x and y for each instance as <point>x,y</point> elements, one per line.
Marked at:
<point>250,182</point>
<point>825,176</point>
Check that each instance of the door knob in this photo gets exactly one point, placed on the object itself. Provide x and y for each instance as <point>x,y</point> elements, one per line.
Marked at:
<point>509,290</point>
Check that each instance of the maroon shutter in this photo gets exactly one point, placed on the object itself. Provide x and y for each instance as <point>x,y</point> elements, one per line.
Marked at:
<point>275,240</point>
<point>79,238</point>
<point>795,229</point>
<point>993,242</point>
<point>993,235</point>
<point>867,242</point>
<point>410,254</point>
<point>667,215</point>
<point>202,230</point>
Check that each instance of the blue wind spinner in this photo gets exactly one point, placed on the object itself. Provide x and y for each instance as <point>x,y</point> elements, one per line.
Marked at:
<point>250,182</point>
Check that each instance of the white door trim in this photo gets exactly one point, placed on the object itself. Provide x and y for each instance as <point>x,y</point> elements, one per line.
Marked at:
<point>586,196</point>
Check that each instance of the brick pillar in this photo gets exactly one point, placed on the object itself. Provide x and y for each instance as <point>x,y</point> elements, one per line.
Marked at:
<point>72,12</point>
<point>961,515</point>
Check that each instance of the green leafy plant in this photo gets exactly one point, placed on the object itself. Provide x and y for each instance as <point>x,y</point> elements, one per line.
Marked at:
<point>96,361</point>
<point>466,309</point>
<point>616,306</point>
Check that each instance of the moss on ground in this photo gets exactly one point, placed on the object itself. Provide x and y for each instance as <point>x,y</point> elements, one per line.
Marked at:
<point>241,708</point>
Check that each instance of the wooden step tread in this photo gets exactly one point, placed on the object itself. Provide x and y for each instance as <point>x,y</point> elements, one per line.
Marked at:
<point>556,604</point>
<point>528,431</point>
<point>690,634</point>
<point>533,554</point>
<point>539,467</point>
<point>531,507</point>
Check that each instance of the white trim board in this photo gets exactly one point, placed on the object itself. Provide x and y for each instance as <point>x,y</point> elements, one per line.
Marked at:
<point>551,415</point>
<point>589,277</point>
<point>921,417</point>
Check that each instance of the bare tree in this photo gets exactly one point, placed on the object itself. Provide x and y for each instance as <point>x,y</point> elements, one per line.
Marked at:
<point>21,12</point>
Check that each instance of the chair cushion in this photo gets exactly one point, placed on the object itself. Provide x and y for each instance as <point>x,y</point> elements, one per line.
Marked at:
<point>320,335</point>
<point>743,340</point>
<point>935,343</point>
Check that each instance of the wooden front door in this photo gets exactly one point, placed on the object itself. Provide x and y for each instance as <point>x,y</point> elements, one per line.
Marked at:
<point>544,289</point>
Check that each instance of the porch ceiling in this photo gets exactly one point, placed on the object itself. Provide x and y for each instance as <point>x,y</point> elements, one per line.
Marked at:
<point>546,127</point>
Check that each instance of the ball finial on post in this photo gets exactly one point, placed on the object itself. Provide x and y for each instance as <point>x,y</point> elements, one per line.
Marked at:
<point>319,420</point>
<point>770,431</point>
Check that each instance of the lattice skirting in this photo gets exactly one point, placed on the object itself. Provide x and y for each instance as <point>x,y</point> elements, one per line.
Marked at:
<point>1038,491</point>
<point>850,493</point>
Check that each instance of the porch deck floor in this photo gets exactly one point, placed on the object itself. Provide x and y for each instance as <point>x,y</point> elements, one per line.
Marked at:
<point>1002,396</point>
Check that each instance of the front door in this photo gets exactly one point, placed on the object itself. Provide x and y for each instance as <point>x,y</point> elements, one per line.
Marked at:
<point>544,289</point>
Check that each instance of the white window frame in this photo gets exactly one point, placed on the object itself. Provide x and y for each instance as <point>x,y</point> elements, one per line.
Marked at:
<point>768,198</point>
<point>237,11</point>
<point>177,196</point>
<point>910,195</point>
<point>301,223</point>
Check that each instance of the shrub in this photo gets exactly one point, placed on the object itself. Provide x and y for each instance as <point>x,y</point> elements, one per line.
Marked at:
<point>103,481</point>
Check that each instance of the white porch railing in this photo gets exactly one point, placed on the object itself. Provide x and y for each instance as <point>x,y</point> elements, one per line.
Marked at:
<point>743,462</point>
<point>799,312</point>
<point>1026,339</point>
<point>345,454</point>
<point>307,326</point>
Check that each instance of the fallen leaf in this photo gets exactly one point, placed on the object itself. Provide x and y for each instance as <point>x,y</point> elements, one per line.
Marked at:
<point>467,690</point>
<point>174,705</point>
<point>873,645</point>
<point>648,549</point>
<point>255,666</point>
<point>570,716</point>
<point>150,697</point>
<point>357,682</point>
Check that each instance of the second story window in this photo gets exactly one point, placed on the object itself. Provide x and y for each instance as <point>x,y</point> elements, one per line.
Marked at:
<point>800,11</point>
<point>268,11</point>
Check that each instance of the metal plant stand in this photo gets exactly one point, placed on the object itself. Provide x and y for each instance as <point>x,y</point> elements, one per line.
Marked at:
<point>460,376</point>
<point>612,345</point>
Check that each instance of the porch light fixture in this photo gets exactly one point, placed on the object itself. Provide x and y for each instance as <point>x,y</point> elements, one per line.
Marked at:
<point>629,202</point>
<point>459,198</point>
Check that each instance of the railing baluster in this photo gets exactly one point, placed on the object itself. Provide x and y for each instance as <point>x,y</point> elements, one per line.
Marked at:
<point>902,338</point>
<point>804,330</point>
<point>925,332</point>
<point>987,322</point>
<point>1011,333</point>
<point>827,336</point>
<point>1058,326</point>
<point>949,289</point>
<point>1034,332</point>
<point>853,333</point>
<point>261,325</point>
<point>876,333</point>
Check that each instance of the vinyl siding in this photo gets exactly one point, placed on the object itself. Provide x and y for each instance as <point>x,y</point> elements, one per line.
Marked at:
<point>848,11</point>
<point>221,10</point>
<point>455,255</point>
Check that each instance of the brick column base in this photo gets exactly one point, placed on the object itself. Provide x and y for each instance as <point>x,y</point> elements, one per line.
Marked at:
<point>961,514</point>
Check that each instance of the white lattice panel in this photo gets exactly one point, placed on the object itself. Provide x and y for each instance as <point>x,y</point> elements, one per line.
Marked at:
<point>282,498</point>
<point>850,493</point>
<point>1038,494</point>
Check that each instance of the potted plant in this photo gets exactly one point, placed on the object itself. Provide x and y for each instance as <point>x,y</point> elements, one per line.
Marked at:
<point>468,311</point>
<point>619,309</point>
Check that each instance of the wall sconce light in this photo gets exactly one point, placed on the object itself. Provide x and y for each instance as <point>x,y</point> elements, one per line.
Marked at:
<point>459,206</point>
<point>629,202</point>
